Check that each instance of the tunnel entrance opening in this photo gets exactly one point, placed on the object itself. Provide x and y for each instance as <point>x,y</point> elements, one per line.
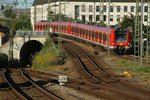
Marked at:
<point>28,51</point>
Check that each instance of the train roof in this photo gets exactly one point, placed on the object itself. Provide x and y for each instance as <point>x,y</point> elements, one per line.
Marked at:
<point>84,26</point>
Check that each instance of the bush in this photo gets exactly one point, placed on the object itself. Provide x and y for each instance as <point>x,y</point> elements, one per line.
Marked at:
<point>46,57</point>
<point>3,60</point>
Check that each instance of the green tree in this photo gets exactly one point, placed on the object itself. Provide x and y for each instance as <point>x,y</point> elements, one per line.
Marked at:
<point>9,13</point>
<point>128,21</point>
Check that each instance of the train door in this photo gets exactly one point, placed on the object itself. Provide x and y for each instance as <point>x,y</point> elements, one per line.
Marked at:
<point>73,30</point>
<point>70,30</point>
<point>96,36</point>
<point>89,35</point>
<point>104,38</point>
<point>76,30</point>
<point>82,33</point>
<point>86,34</point>
<point>93,35</point>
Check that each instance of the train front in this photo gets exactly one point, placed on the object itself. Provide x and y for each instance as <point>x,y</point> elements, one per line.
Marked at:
<point>122,40</point>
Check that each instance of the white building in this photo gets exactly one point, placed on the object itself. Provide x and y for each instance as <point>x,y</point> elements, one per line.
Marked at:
<point>87,10</point>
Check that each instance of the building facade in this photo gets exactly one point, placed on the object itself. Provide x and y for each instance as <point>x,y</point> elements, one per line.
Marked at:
<point>87,10</point>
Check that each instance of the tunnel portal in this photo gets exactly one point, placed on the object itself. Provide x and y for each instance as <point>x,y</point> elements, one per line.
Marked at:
<point>28,51</point>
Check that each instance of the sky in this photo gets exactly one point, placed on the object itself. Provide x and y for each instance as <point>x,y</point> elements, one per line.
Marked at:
<point>20,5</point>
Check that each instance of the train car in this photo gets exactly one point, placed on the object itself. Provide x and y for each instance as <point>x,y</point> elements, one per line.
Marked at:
<point>119,39</point>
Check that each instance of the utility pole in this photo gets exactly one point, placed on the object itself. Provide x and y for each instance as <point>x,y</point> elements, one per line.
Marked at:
<point>25,1</point>
<point>49,10</point>
<point>34,15</point>
<point>137,28</point>
<point>108,49</point>
<point>11,45</point>
<point>65,9</point>
<point>101,11</point>
<point>59,29</point>
<point>141,34</point>
<point>148,32</point>
<point>94,14</point>
<point>15,3</point>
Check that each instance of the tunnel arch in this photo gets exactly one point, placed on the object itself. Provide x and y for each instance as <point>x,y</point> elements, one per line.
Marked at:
<point>28,50</point>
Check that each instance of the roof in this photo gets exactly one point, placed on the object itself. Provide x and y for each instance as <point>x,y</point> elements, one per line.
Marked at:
<point>83,26</point>
<point>40,2</point>
<point>1,34</point>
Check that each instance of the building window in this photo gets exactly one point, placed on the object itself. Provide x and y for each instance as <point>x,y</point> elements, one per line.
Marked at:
<point>111,9</point>
<point>118,8</point>
<point>111,17</point>
<point>97,17</point>
<point>90,18</point>
<point>83,17</point>
<point>97,8</point>
<point>90,8</point>
<point>125,8</point>
<point>146,9</point>
<point>83,8</point>
<point>118,18</point>
<point>76,11</point>
<point>104,8</point>
<point>145,18</point>
<point>132,9</point>
<point>104,17</point>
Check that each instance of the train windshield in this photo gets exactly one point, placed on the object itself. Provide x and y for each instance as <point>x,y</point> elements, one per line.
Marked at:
<point>120,36</point>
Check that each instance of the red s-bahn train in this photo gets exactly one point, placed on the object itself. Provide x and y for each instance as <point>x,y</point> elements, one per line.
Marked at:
<point>119,39</point>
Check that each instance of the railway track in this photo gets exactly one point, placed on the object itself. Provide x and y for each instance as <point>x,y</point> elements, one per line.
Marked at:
<point>94,71</point>
<point>131,57</point>
<point>72,83</point>
<point>25,88</point>
<point>5,89</point>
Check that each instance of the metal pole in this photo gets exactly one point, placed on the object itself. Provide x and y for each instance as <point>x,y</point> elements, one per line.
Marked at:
<point>34,16</point>
<point>141,36</point>
<point>59,38</point>
<point>49,10</point>
<point>100,12</point>
<point>108,49</point>
<point>65,9</point>
<point>94,14</point>
<point>11,45</point>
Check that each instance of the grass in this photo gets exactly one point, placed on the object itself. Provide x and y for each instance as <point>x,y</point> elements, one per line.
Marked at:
<point>135,69</point>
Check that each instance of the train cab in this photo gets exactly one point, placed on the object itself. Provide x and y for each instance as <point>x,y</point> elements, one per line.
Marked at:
<point>122,40</point>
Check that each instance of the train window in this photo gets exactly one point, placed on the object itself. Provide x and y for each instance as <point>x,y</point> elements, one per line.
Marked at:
<point>57,27</point>
<point>93,34</point>
<point>66,28</point>
<point>80,31</point>
<point>71,28</point>
<point>86,32</point>
<point>75,29</point>
<point>120,36</point>
<point>100,36</point>
<point>83,31</point>
<point>90,34</point>
<point>106,37</point>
